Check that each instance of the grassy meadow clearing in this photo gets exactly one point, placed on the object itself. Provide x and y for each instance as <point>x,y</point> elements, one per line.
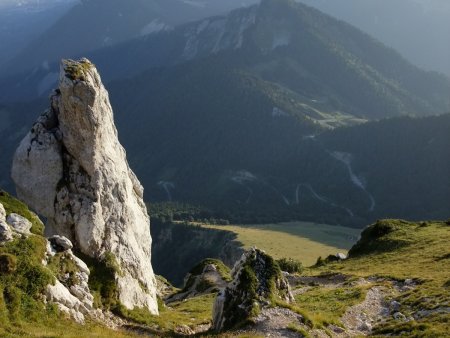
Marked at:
<point>303,241</point>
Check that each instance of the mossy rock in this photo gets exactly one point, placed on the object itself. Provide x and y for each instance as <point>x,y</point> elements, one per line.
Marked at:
<point>77,70</point>
<point>13,205</point>
<point>204,284</point>
<point>257,282</point>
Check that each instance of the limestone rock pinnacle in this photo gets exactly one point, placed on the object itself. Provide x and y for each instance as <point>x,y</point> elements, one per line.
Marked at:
<point>72,169</point>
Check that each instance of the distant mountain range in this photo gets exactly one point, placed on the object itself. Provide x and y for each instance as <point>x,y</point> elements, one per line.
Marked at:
<point>418,29</point>
<point>105,23</point>
<point>23,21</point>
<point>237,113</point>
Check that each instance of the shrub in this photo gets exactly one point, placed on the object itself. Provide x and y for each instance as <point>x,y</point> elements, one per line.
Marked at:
<point>290,265</point>
<point>8,263</point>
<point>102,280</point>
<point>320,262</point>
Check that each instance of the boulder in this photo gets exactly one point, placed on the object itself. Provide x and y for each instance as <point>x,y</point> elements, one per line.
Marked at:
<point>257,282</point>
<point>72,169</point>
<point>19,224</point>
<point>60,243</point>
<point>341,256</point>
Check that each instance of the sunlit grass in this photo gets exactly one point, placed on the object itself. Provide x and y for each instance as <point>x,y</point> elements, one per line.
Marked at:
<point>302,241</point>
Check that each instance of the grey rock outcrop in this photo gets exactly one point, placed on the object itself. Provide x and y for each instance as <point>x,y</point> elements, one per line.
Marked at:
<point>19,224</point>
<point>257,281</point>
<point>66,302</point>
<point>72,169</point>
<point>71,291</point>
<point>60,243</point>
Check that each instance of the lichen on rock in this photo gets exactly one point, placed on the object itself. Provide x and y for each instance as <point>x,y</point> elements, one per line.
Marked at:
<point>72,170</point>
<point>257,283</point>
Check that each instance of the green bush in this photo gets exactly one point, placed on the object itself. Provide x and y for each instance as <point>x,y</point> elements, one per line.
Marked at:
<point>290,265</point>
<point>320,262</point>
<point>63,266</point>
<point>8,263</point>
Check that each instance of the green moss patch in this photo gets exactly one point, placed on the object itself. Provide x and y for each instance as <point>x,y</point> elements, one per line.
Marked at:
<point>77,70</point>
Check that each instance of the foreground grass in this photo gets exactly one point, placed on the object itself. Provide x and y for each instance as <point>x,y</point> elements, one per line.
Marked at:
<point>59,327</point>
<point>417,251</point>
<point>302,241</point>
<point>323,306</point>
<point>191,312</point>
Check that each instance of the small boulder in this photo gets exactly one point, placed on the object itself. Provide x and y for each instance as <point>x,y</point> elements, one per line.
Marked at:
<point>19,224</point>
<point>50,250</point>
<point>399,316</point>
<point>394,306</point>
<point>341,256</point>
<point>60,243</point>
<point>184,330</point>
<point>6,234</point>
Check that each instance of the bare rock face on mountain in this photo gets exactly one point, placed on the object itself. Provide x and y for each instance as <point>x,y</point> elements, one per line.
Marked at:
<point>257,282</point>
<point>72,169</point>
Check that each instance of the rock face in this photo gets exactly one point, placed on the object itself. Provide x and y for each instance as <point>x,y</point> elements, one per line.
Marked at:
<point>71,291</point>
<point>257,281</point>
<point>72,169</point>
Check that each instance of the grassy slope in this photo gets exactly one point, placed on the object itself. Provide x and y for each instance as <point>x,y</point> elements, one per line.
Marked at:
<point>22,313</point>
<point>417,251</point>
<point>299,240</point>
